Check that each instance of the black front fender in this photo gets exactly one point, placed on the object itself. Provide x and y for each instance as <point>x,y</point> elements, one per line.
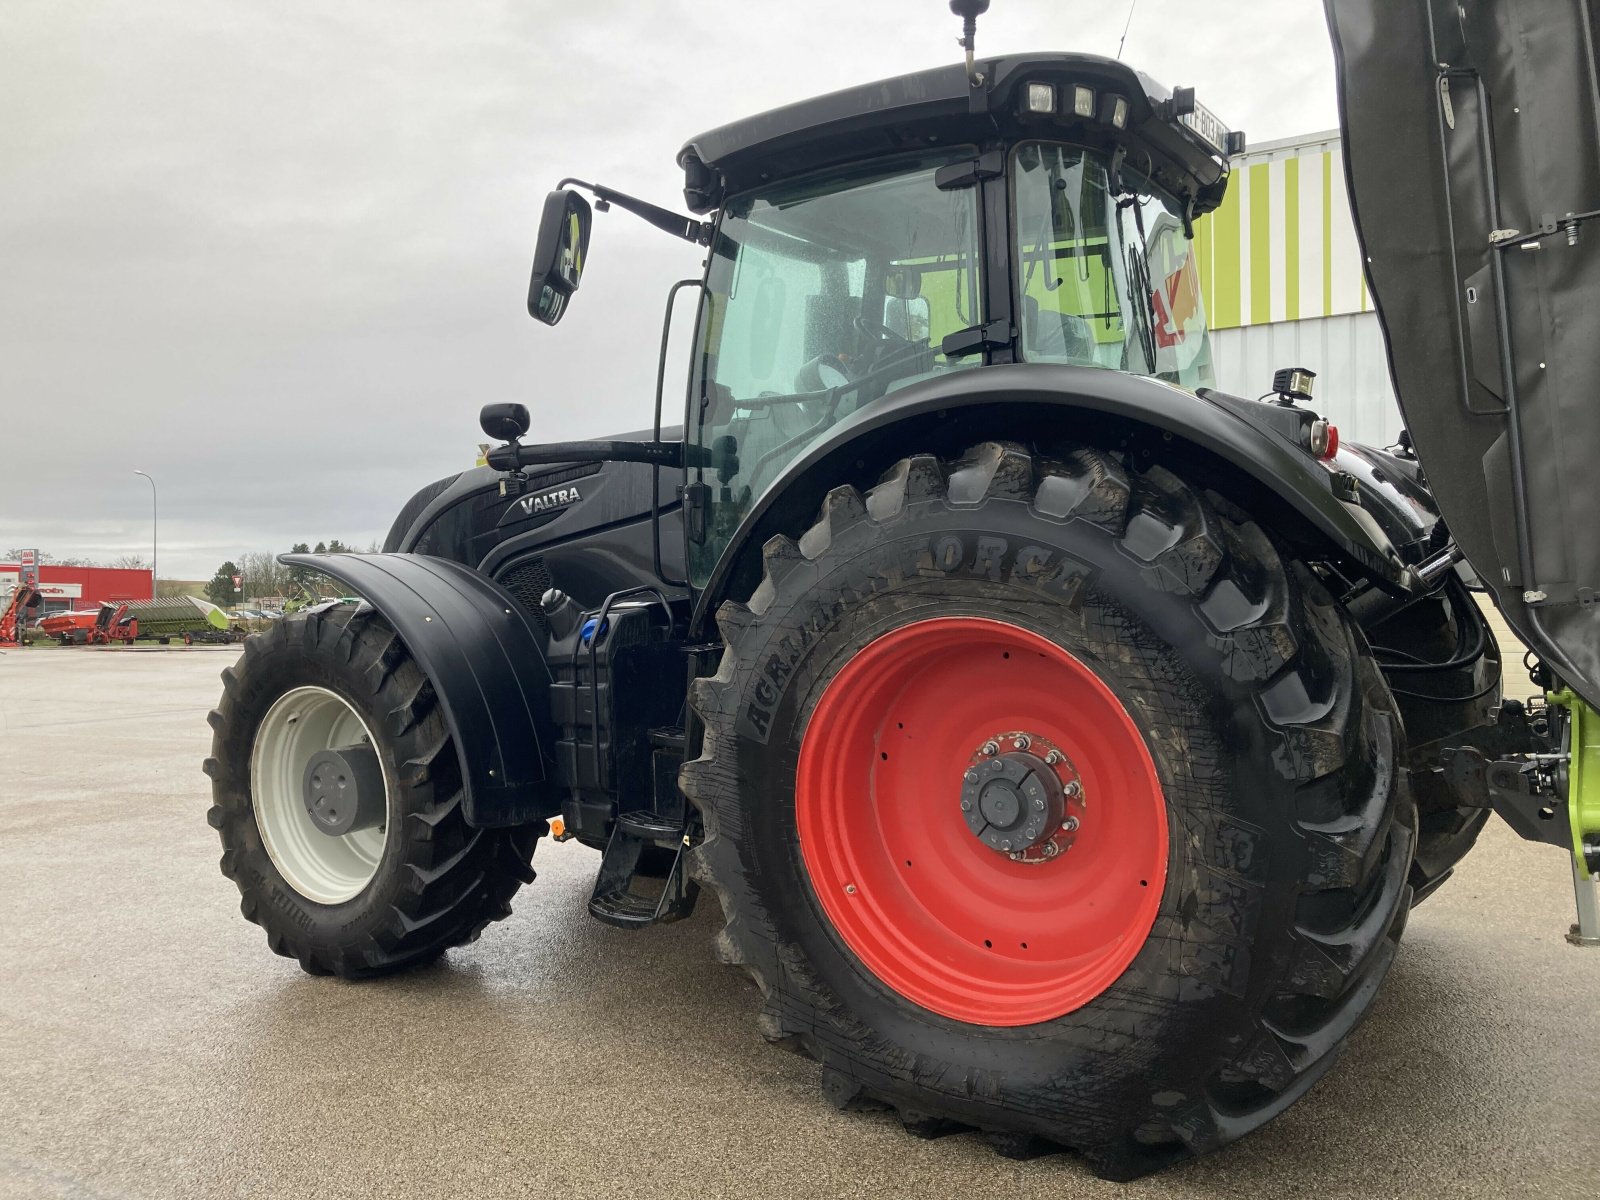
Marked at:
<point>1035,402</point>
<point>485,659</point>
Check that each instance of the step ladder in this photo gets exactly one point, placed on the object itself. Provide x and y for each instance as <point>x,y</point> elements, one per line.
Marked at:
<point>625,897</point>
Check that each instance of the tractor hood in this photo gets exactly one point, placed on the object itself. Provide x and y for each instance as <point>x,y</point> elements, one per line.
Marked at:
<point>1472,151</point>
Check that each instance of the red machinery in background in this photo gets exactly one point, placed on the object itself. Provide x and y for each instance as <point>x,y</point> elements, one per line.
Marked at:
<point>14,618</point>
<point>99,627</point>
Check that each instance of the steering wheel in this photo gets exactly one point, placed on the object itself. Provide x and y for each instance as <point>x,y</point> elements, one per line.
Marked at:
<point>879,332</point>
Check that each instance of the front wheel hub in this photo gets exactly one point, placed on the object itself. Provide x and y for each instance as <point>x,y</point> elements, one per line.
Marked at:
<point>343,789</point>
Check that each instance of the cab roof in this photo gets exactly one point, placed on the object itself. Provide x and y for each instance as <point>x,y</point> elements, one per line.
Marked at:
<point>938,107</point>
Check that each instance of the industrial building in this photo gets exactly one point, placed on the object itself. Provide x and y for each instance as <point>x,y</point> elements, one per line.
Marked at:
<point>67,588</point>
<point>1282,282</point>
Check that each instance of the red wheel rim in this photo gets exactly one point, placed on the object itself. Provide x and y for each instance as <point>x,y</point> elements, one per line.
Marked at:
<point>938,916</point>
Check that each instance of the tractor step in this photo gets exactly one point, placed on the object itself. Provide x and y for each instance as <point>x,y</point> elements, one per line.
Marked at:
<point>615,901</point>
<point>651,827</point>
<point>668,739</point>
<point>624,910</point>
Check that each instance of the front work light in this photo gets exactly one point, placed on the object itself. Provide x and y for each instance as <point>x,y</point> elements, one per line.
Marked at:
<point>1119,113</point>
<point>1083,101</point>
<point>1041,98</point>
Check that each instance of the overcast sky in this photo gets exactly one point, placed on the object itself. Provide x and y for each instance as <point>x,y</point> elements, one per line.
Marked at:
<point>276,254</point>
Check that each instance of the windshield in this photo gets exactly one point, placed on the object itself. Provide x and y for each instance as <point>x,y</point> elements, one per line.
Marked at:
<point>821,298</point>
<point>1105,280</point>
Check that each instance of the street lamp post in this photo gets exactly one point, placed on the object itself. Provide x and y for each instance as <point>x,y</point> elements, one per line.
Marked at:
<point>153,530</point>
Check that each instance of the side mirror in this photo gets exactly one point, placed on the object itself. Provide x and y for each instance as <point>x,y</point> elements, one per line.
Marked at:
<point>504,422</point>
<point>559,254</point>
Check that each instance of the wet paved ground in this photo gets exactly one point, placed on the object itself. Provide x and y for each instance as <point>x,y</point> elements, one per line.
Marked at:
<point>151,1046</point>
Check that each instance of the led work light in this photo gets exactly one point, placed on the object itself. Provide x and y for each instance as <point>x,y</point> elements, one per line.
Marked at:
<point>1041,98</point>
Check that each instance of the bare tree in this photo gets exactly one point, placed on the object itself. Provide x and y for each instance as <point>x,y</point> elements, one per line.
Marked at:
<point>263,575</point>
<point>129,562</point>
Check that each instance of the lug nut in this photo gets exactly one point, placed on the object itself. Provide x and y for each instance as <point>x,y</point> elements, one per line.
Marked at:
<point>1053,757</point>
<point>972,777</point>
<point>966,806</point>
<point>1023,741</point>
<point>1070,824</point>
<point>991,748</point>
<point>1074,788</point>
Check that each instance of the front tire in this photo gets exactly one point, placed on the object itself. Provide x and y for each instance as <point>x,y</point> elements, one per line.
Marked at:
<point>414,879</point>
<point>1274,860</point>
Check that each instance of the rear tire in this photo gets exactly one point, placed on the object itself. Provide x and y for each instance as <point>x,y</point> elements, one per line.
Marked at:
<point>431,881</point>
<point>1277,749</point>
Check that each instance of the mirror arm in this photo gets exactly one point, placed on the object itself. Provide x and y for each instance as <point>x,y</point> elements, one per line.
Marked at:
<point>514,456</point>
<point>687,228</point>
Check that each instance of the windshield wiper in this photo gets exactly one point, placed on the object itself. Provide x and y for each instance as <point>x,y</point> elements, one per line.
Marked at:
<point>1133,261</point>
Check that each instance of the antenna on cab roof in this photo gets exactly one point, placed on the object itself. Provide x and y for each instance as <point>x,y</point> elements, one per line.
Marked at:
<point>969,11</point>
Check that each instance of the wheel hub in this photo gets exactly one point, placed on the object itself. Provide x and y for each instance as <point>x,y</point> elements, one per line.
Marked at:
<point>343,790</point>
<point>1022,797</point>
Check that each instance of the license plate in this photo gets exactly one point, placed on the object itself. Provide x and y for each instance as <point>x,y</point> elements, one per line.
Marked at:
<point>1203,122</point>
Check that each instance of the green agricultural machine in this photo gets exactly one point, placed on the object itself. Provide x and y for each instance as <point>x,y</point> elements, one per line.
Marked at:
<point>181,618</point>
<point>1064,741</point>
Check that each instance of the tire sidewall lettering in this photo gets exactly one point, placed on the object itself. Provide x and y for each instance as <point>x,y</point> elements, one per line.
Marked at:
<point>974,554</point>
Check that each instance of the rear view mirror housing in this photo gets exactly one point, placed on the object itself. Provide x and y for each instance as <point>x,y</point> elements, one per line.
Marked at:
<point>558,255</point>
<point>504,422</point>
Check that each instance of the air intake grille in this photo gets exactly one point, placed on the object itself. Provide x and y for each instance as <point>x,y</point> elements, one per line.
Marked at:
<point>527,580</point>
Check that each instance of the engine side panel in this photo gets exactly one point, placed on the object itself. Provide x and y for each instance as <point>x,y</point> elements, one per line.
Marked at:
<point>584,528</point>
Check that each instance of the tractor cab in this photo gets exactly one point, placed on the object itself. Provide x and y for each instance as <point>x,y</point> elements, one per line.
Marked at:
<point>1029,209</point>
<point>1042,213</point>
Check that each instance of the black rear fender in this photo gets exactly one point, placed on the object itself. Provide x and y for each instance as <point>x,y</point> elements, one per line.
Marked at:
<point>1203,438</point>
<point>484,657</point>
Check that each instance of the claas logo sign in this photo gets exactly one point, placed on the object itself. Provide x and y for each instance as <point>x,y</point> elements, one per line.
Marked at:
<point>1175,285</point>
<point>1175,300</point>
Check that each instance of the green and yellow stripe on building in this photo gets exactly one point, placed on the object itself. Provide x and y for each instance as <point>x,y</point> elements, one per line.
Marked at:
<point>1283,246</point>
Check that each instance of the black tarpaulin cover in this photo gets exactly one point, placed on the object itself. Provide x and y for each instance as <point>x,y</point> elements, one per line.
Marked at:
<point>1464,119</point>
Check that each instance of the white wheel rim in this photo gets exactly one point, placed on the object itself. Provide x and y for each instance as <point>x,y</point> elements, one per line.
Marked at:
<point>324,868</point>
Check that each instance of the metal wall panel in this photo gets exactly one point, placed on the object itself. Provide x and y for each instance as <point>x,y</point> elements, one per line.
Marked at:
<point>1347,353</point>
<point>1283,245</point>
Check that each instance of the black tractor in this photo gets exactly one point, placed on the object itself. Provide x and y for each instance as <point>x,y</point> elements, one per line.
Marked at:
<point>1064,740</point>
